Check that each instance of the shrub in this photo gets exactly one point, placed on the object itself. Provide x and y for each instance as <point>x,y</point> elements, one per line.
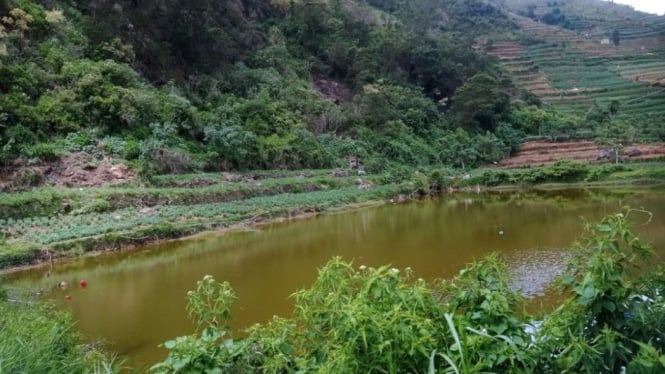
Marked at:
<point>493,177</point>
<point>131,150</point>
<point>567,171</point>
<point>613,319</point>
<point>441,178</point>
<point>600,172</point>
<point>47,152</point>
<point>159,160</point>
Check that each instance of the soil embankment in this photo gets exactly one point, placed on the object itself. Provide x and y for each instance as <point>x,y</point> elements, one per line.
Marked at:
<point>539,153</point>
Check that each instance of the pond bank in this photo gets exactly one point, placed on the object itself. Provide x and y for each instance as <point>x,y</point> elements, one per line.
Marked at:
<point>47,225</point>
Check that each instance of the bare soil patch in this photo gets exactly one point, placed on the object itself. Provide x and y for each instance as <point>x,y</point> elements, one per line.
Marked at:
<point>538,153</point>
<point>334,91</point>
<point>73,170</point>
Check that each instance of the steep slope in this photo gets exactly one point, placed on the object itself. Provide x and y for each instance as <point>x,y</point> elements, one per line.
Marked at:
<point>173,87</point>
<point>582,69</point>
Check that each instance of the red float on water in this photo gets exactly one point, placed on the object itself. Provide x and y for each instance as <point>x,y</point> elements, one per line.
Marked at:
<point>83,283</point>
<point>68,297</point>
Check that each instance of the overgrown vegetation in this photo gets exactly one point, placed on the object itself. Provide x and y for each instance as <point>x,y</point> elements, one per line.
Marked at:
<point>569,172</point>
<point>236,85</point>
<point>359,319</point>
<point>35,338</point>
<point>208,85</point>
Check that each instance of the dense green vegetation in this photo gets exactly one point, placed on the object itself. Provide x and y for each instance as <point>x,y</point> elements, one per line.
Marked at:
<point>569,172</point>
<point>235,85</point>
<point>176,90</point>
<point>34,338</point>
<point>211,85</point>
<point>594,63</point>
<point>359,319</point>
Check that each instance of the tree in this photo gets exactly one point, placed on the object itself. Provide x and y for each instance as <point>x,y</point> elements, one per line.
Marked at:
<point>477,104</point>
<point>616,37</point>
<point>457,149</point>
<point>614,107</point>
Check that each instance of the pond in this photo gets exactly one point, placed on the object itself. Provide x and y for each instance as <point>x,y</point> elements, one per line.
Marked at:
<point>135,299</point>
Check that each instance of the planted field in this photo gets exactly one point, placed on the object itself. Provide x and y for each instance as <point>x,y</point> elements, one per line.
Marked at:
<point>36,223</point>
<point>50,230</point>
<point>573,71</point>
<point>72,201</point>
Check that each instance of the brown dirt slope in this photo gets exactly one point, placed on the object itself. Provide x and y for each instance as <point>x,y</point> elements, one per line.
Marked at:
<point>74,170</point>
<point>537,153</point>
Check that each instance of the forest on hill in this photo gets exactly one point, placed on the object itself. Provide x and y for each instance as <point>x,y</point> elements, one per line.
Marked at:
<point>204,85</point>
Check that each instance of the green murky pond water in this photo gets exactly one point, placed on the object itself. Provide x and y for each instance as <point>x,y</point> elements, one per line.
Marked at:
<point>135,299</point>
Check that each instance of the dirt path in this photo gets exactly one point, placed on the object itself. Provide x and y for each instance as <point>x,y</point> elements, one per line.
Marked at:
<point>544,153</point>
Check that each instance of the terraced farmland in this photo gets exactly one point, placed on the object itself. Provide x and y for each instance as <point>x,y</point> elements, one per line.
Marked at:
<point>572,72</point>
<point>597,19</point>
<point>537,153</point>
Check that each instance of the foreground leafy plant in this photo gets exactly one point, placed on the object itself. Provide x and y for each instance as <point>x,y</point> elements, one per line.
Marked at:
<point>615,316</point>
<point>209,307</point>
<point>380,320</point>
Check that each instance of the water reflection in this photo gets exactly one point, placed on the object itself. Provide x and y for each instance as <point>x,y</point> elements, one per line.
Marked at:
<point>533,272</point>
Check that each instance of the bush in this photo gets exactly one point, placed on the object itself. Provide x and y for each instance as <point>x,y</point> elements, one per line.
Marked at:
<point>567,171</point>
<point>47,152</point>
<point>25,178</point>
<point>441,178</point>
<point>600,172</point>
<point>159,160</point>
<point>131,150</point>
<point>493,177</point>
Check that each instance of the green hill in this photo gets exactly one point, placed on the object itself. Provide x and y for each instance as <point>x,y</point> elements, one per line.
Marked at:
<point>255,84</point>
<point>214,85</point>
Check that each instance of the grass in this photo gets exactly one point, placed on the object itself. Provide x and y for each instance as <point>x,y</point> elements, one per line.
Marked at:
<point>572,173</point>
<point>180,179</point>
<point>17,254</point>
<point>34,338</point>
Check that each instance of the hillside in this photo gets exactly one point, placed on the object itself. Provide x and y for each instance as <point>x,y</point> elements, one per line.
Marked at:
<point>207,86</point>
<point>170,87</point>
<point>592,55</point>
